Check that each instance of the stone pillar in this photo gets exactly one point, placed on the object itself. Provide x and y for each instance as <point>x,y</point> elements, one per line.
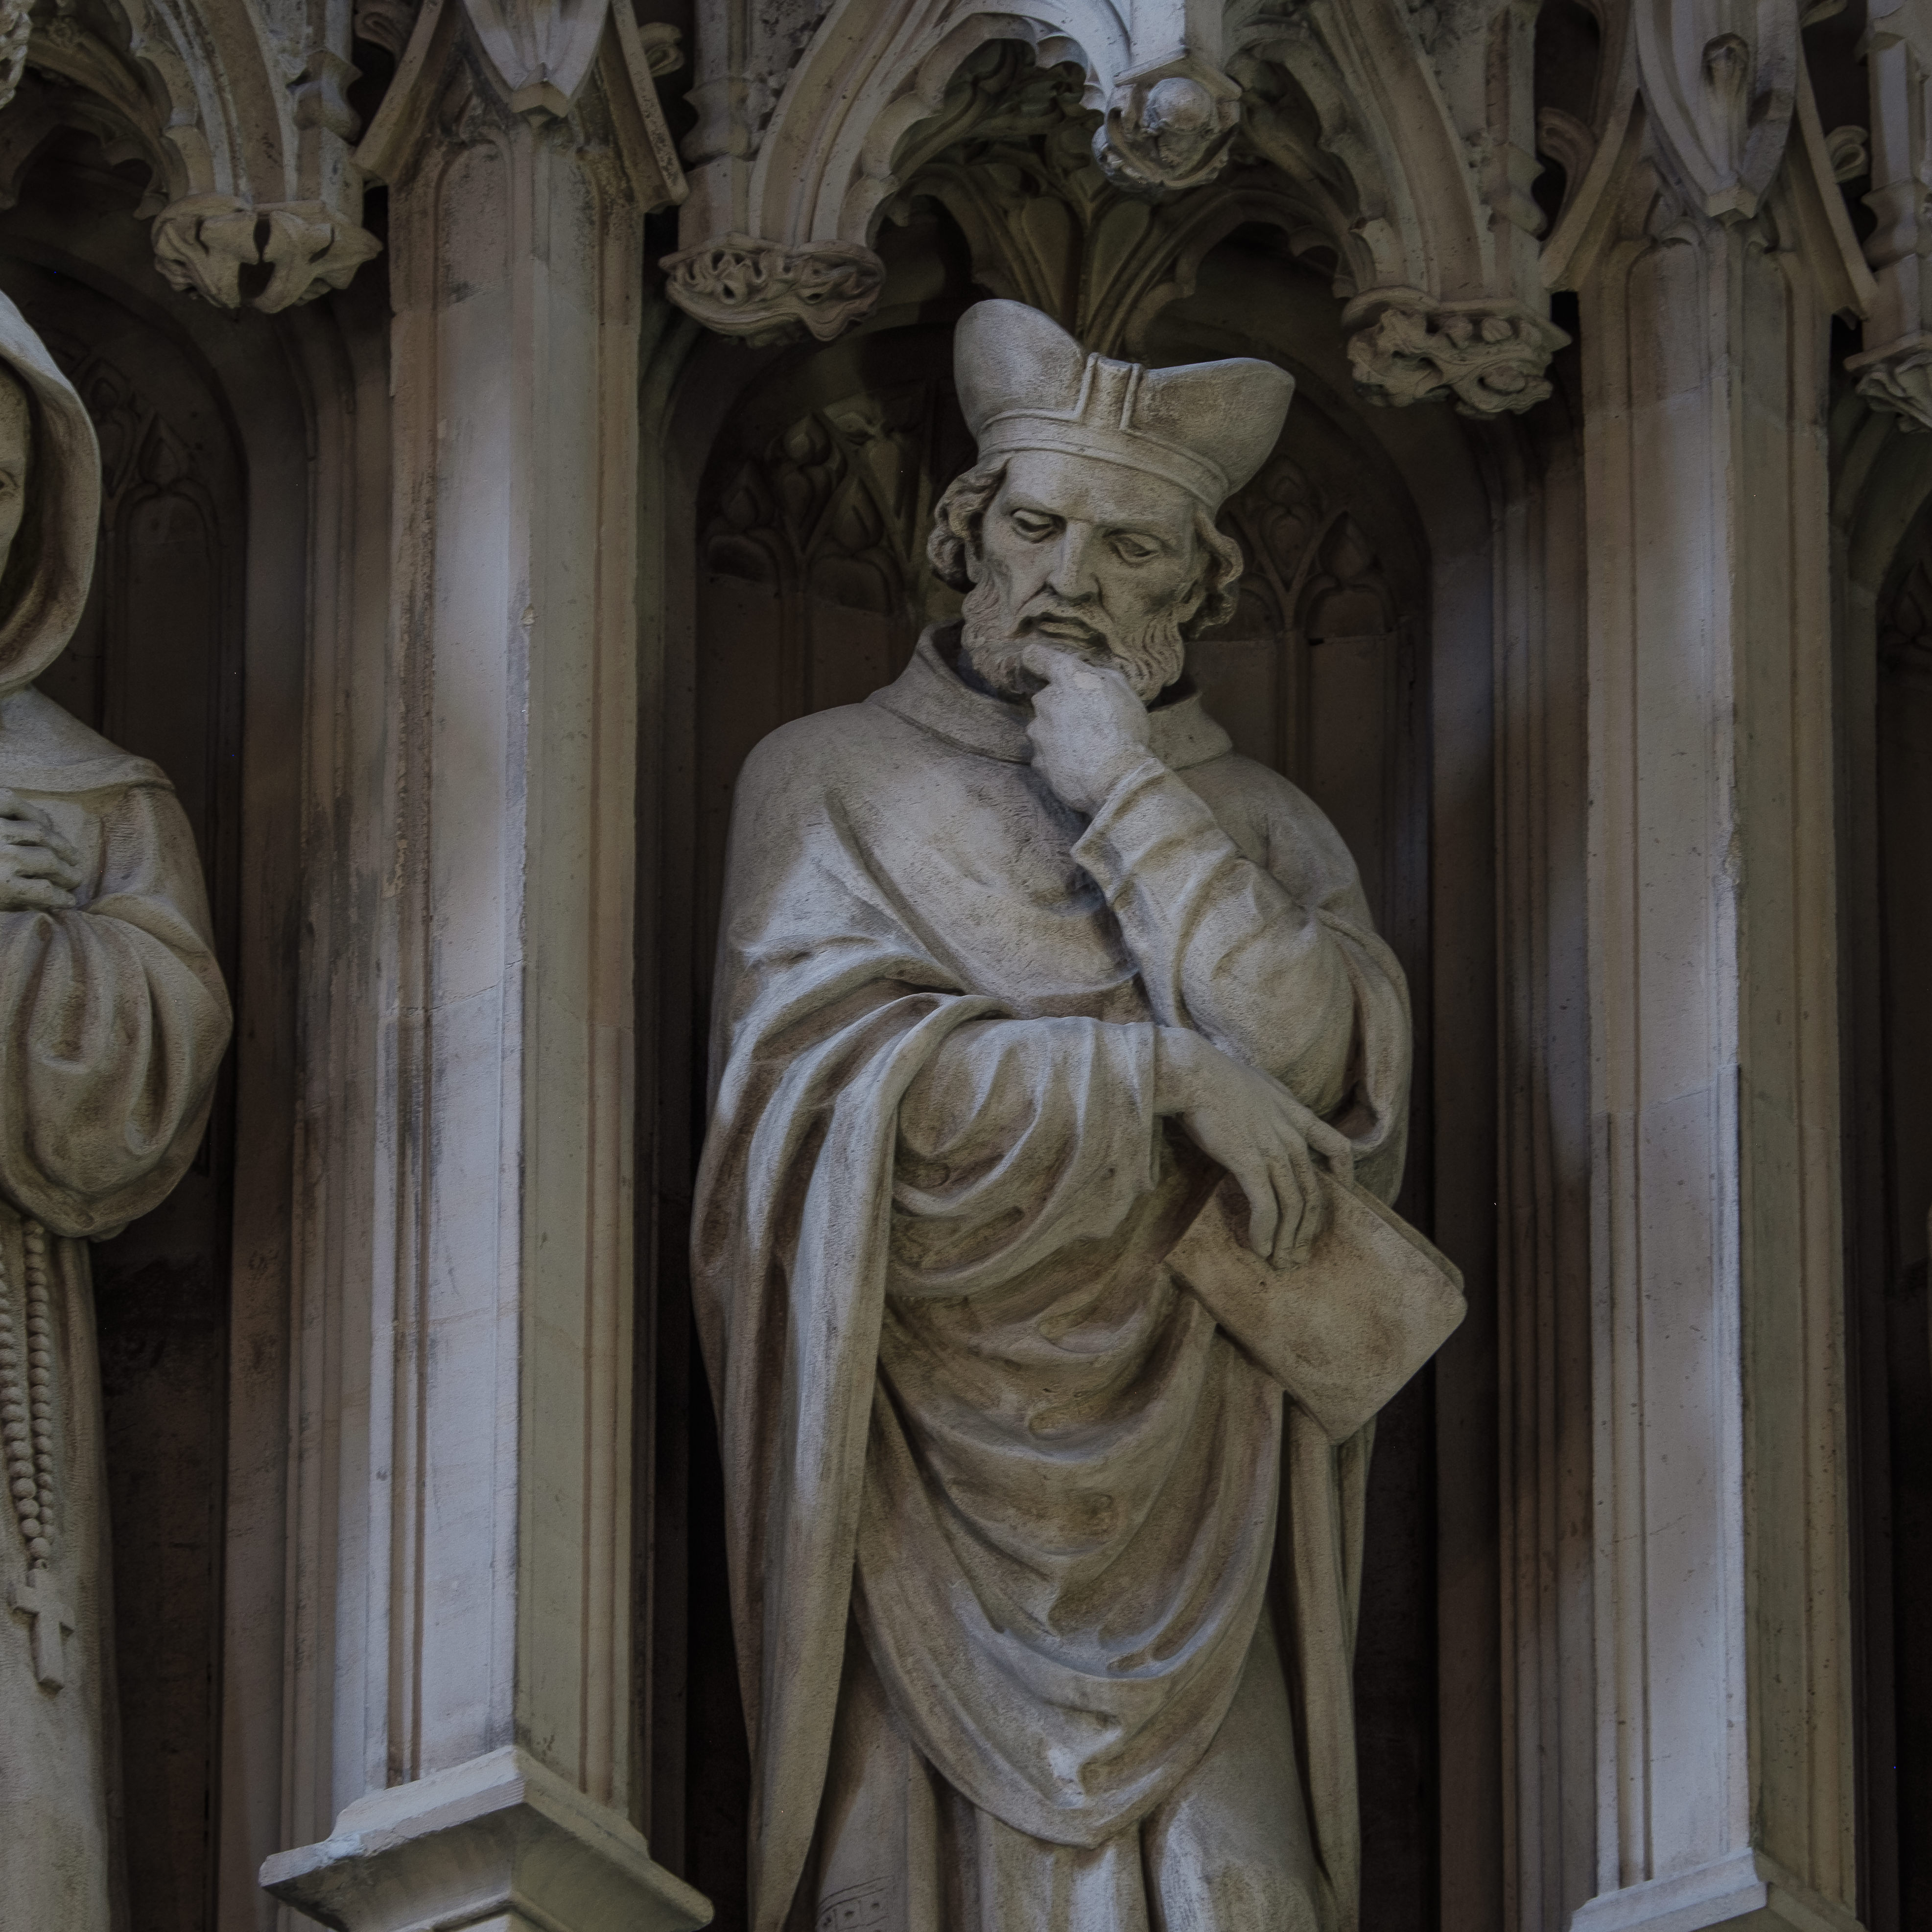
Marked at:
<point>480,1574</point>
<point>1722,1612</point>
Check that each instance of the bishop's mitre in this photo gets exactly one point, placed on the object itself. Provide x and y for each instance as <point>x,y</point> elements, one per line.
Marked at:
<point>1025,383</point>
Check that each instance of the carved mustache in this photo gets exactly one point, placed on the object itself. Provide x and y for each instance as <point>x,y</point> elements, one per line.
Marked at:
<point>1046,608</point>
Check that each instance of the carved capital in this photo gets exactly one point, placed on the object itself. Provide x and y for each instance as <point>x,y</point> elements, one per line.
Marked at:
<point>1168,128</point>
<point>203,242</point>
<point>1899,379</point>
<point>762,291</point>
<point>1490,357</point>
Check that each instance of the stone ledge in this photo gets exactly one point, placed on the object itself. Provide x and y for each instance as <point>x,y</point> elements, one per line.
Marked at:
<point>1747,1890</point>
<point>501,1834</point>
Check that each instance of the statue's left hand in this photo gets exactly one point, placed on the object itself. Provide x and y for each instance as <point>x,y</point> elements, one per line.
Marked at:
<point>1089,730</point>
<point>40,872</point>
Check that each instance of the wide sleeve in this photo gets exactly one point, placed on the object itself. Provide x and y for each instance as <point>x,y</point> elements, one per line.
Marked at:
<point>113,1020</point>
<point>1262,942</point>
<point>1224,945</point>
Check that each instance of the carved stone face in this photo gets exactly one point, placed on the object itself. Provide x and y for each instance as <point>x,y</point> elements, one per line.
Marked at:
<point>1093,557</point>
<point>16,444</point>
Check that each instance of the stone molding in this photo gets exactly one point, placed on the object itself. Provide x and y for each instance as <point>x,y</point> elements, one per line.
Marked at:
<point>1721,1691</point>
<point>1748,1890</point>
<point>501,1834</point>
<point>1490,358</point>
<point>1721,108</point>
<point>762,292</point>
<point>473,1288</point>
<point>202,244</point>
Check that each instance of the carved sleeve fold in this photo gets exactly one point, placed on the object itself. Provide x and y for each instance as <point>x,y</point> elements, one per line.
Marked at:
<point>112,1021</point>
<point>1021,1138</point>
<point>1224,946</point>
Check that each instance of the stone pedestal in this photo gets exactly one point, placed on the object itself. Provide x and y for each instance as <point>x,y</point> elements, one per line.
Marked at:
<point>498,1842</point>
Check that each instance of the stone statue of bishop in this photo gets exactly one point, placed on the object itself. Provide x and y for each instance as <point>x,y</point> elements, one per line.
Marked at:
<point>112,1021</point>
<point>1042,1267</point>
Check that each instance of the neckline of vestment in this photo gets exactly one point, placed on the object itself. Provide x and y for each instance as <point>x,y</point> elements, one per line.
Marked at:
<point>931,693</point>
<point>46,751</point>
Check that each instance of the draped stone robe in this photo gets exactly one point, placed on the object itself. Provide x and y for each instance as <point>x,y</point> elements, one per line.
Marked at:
<point>113,1021</point>
<point>1003,1494</point>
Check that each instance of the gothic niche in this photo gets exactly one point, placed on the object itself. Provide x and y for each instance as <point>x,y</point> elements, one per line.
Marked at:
<point>155,667</point>
<point>811,589</point>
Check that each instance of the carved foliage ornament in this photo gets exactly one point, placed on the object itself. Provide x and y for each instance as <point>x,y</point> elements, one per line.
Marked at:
<point>203,242</point>
<point>1898,378</point>
<point>761,291</point>
<point>1489,357</point>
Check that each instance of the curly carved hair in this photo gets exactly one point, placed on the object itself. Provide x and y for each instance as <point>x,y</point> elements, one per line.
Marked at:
<point>961,512</point>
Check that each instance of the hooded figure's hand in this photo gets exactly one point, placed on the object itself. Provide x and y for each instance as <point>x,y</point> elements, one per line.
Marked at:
<point>40,872</point>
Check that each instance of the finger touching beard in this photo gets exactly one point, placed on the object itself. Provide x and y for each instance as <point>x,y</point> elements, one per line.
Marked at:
<point>1150,656</point>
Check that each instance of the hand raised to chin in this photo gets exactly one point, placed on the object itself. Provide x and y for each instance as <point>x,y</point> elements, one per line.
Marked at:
<point>1089,730</point>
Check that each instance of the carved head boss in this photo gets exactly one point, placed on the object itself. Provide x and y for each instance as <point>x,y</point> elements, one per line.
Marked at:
<point>1087,523</point>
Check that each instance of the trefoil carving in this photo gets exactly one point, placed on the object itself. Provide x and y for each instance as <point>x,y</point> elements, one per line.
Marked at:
<point>1491,357</point>
<point>762,292</point>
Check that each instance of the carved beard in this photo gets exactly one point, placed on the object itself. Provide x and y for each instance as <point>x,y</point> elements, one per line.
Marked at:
<point>1150,659</point>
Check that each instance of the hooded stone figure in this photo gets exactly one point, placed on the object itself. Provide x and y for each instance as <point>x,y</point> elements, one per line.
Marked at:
<point>112,1021</point>
<point>1042,1265</point>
